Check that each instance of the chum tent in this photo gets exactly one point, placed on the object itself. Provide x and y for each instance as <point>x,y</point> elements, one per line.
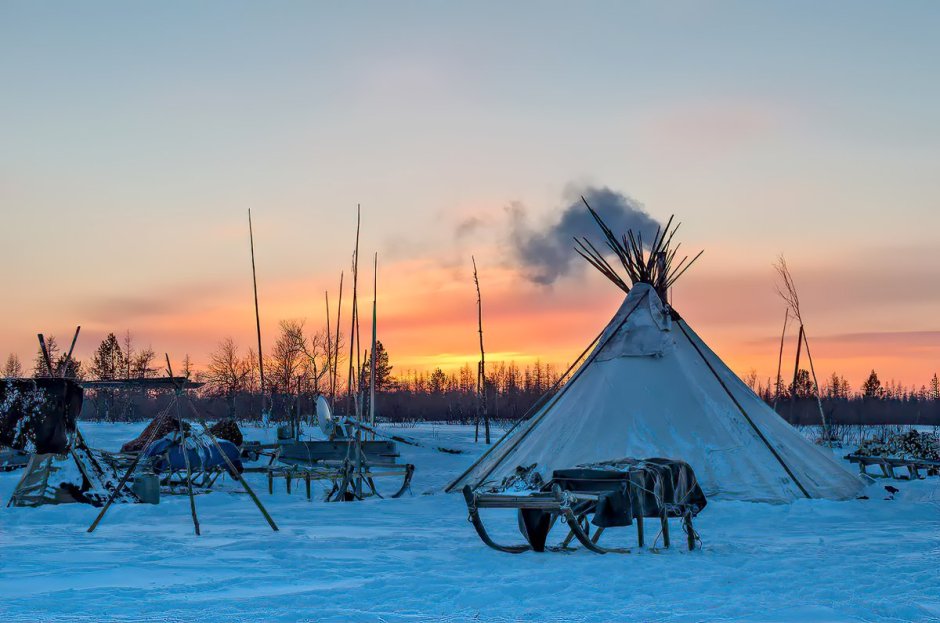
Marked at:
<point>652,388</point>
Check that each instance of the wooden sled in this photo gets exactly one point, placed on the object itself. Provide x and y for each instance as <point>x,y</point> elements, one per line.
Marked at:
<point>342,475</point>
<point>312,461</point>
<point>584,497</point>
<point>888,465</point>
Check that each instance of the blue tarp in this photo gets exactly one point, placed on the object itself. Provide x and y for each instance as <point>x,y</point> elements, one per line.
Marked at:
<point>166,455</point>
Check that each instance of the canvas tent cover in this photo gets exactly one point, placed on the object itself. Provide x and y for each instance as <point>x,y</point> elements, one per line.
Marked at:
<point>651,387</point>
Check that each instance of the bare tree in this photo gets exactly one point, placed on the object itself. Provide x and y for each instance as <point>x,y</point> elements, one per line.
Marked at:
<point>142,365</point>
<point>288,357</point>
<point>318,360</point>
<point>227,373</point>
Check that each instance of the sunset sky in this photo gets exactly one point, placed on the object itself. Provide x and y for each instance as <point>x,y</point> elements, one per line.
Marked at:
<point>135,137</point>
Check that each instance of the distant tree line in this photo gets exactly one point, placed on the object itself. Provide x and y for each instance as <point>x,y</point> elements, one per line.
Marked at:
<point>304,364</point>
<point>874,402</point>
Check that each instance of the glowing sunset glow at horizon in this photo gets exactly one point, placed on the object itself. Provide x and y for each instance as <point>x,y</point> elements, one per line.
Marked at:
<point>137,139</point>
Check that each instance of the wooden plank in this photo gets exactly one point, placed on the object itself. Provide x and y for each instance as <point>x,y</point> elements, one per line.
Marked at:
<point>314,451</point>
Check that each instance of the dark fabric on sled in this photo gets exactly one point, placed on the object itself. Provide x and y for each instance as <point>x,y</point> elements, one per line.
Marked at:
<point>614,506</point>
<point>666,486</point>
<point>535,526</point>
<point>647,488</point>
<point>166,455</point>
<point>41,412</point>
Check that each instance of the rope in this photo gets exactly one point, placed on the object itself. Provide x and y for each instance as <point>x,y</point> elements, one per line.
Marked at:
<point>558,396</point>
<point>743,412</point>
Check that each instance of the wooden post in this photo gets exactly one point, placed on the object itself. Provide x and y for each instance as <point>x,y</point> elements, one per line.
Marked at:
<point>339,309</point>
<point>68,358</point>
<point>639,531</point>
<point>270,483</point>
<point>352,328</point>
<point>354,402</point>
<point>307,482</point>
<point>254,280</point>
<point>329,348</point>
<point>189,471</point>
<point>481,369</point>
<point>375,294</point>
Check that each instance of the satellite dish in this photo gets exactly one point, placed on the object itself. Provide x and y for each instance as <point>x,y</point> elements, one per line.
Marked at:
<point>325,416</point>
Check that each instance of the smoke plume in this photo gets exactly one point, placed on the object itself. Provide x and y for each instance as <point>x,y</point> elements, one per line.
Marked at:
<point>548,253</point>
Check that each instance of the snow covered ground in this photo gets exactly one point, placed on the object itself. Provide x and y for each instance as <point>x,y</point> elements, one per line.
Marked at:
<point>417,558</point>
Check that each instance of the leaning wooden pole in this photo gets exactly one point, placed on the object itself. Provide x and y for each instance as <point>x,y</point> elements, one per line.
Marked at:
<point>351,401</point>
<point>352,328</point>
<point>783,334</point>
<point>45,354</point>
<point>234,471</point>
<point>254,280</point>
<point>184,449</point>
<point>68,357</point>
<point>375,295</point>
<point>339,310</point>
<point>812,369</point>
<point>329,346</point>
<point>481,372</point>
